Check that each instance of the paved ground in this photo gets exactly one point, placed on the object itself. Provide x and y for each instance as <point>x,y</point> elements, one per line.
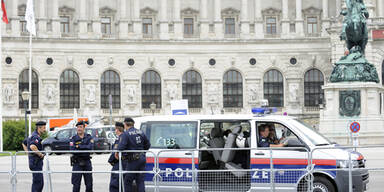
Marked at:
<point>62,183</point>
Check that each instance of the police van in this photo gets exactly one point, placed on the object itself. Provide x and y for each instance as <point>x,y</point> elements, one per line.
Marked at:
<point>189,159</point>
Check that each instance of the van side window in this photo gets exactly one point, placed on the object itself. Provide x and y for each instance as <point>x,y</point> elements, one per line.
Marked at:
<point>278,133</point>
<point>171,135</point>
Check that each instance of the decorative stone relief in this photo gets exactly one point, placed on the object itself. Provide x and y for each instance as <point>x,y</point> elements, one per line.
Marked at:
<point>50,96</point>
<point>350,103</point>
<point>213,93</point>
<point>252,94</point>
<point>293,92</point>
<point>131,93</point>
<point>9,94</point>
<point>91,97</point>
<point>172,91</point>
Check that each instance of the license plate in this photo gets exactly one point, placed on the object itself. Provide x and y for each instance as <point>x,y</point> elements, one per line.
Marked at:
<point>105,144</point>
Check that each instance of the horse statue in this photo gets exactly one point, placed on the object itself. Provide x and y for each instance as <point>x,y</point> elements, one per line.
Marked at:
<point>355,30</point>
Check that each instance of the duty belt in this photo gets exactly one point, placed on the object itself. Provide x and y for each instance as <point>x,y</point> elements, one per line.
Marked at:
<point>133,157</point>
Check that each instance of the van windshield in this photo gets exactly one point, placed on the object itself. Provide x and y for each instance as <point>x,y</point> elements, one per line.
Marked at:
<point>315,137</point>
<point>171,135</point>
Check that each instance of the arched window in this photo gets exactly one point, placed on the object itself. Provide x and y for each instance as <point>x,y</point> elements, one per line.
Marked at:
<point>233,89</point>
<point>24,86</point>
<point>274,88</point>
<point>150,89</point>
<point>313,93</point>
<point>69,90</point>
<point>192,89</point>
<point>382,73</point>
<point>110,85</point>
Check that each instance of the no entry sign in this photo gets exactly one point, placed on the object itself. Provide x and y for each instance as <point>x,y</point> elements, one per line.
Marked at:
<point>354,127</point>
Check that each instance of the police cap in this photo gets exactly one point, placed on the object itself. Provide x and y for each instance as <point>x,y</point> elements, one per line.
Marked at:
<point>40,123</point>
<point>128,120</point>
<point>119,124</point>
<point>80,123</point>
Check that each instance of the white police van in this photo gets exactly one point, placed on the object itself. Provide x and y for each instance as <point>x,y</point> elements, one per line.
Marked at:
<point>179,139</point>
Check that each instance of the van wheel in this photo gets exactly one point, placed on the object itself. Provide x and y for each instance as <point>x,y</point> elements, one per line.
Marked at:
<point>320,184</point>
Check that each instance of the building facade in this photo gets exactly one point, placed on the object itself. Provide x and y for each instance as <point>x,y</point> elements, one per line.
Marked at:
<point>224,56</point>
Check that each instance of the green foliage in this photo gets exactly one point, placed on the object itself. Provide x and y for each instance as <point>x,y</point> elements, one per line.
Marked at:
<point>13,134</point>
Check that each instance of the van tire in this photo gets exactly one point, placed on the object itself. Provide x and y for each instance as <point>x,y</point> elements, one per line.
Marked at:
<point>320,184</point>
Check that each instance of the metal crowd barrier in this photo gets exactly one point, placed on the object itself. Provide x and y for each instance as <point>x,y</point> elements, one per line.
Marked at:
<point>264,172</point>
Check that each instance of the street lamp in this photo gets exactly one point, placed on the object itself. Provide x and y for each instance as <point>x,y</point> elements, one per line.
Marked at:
<point>25,97</point>
<point>153,107</point>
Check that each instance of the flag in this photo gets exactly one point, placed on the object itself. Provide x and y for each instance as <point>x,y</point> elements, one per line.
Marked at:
<point>30,18</point>
<point>5,18</point>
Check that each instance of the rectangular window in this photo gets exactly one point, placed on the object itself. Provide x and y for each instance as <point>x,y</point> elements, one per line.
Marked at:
<point>147,26</point>
<point>23,24</point>
<point>106,25</point>
<point>312,25</point>
<point>271,25</point>
<point>292,27</point>
<point>64,24</point>
<point>188,26</point>
<point>230,26</point>
<point>171,135</point>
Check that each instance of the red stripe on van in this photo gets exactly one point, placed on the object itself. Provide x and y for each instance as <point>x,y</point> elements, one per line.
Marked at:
<point>172,160</point>
<point>293,161</point>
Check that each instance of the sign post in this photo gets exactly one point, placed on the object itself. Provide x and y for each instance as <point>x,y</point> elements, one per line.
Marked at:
<point>355,128</point>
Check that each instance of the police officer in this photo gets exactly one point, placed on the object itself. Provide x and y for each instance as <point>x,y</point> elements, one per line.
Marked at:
<point>24,144</point>
<point>133,139</point>
<point>264,141</point>
<point>81,161</point>
<point>36,158</point>
<point>114,184</point>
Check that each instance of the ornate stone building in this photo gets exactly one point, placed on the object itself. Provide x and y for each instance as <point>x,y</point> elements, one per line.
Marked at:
<point>224,56</point>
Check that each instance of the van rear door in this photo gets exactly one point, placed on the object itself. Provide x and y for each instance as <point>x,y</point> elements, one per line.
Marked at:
<point>175,143</point>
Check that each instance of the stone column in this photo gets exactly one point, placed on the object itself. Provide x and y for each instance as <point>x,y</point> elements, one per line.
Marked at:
<point>55,18</point>
<point>244,20</point>
<point>325,19</point>
<point>299,19</point>
<point>218,21</point>
<point>285,20</point>
<point>204,23</point>
<point>163,20</point>
<point>178,23</point>
<point>15,22</point>
<point>123,22</point>
<point>259,24</point>
<point>83,26</point>
<point>137,25</point>
<point>42,19</point>
<point>338,7</point>
<point>96,26</point>
<point>380,8</point>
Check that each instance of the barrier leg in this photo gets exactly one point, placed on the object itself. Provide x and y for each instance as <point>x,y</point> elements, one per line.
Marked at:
<point>13,173</point>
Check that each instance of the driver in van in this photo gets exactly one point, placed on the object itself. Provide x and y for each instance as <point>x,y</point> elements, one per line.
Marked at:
<point>263,140</point>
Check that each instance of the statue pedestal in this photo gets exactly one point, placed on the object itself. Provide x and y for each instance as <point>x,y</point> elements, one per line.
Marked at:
<point>353,101</point>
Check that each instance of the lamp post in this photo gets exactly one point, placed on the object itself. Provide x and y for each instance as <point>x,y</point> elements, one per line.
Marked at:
<point>153,107</point>
<point>25,96</point>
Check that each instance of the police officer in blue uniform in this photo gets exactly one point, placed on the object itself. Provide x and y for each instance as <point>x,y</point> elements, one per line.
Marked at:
<point>114,184</point>
<point>133,139</point>
<point>264,141</point>
<point>81,161</point>
<point>36,158</point>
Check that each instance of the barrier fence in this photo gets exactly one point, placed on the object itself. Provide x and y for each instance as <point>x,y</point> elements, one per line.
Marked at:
<point>223,169</point>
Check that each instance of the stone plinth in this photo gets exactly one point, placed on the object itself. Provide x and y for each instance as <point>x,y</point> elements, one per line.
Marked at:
<point>343,107</point>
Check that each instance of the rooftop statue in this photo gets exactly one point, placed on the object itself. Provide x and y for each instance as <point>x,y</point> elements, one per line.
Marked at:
<point>354,66</point>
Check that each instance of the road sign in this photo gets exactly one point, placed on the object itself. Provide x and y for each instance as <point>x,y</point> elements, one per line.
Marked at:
<point>354,127</point>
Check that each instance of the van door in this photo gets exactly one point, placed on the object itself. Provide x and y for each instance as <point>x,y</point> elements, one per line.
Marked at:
<point>175,143</point>
<point>293,156</point>
<point>227,169</point>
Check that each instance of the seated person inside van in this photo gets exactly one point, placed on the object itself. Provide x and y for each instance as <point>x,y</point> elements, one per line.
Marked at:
<point>263,138</point>
<point>272,137</point>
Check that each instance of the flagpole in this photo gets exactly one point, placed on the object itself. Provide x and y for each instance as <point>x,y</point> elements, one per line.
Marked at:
<point>30,85</point>
<point>1,86</point>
